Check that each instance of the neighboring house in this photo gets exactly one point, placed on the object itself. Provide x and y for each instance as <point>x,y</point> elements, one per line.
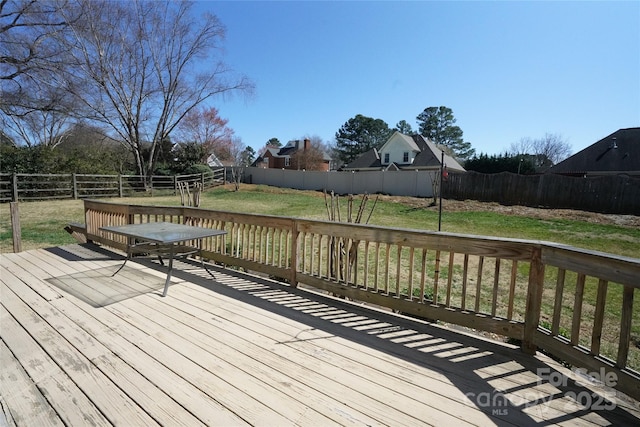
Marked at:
<point>214,162</point>
<point>616,154</point>
<point>403,152</point>
<point>283,157</point>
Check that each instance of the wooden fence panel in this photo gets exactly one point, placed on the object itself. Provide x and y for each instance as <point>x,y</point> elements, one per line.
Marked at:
<point>619,194</point>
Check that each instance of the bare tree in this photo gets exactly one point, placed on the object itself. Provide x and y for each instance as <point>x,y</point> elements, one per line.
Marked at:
<point>38,127</point>
<point>310,156</point>
<point>237,156</point>
<point>205,127</point>
<point>33,108</point>
<point>30,32</point>
<point>545,152</point>
<point>138,69</point>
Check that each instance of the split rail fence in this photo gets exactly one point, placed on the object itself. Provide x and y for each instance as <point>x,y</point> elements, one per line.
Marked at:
<point>22,187</point>
<point>575,304</point>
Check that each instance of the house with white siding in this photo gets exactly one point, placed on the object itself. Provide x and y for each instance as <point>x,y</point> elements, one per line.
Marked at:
<point>404,152</point>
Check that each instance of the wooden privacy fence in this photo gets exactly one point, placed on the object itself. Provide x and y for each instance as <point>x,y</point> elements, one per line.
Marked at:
<point>619,194</point>
<point>575,304</point>
<point>20,186</point>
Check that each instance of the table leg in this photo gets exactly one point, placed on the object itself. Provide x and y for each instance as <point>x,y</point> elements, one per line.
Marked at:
<point>202,260</point>
<point>166,283</point>
<point>129,252</point>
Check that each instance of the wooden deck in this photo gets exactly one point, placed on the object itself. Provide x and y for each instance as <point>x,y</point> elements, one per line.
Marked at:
<point>79,347</point>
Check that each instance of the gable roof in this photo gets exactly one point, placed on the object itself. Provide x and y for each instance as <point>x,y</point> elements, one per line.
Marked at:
<point>397,136</point>
<point>618,153</point>
<point>428,155</point>
<point>368,159</point>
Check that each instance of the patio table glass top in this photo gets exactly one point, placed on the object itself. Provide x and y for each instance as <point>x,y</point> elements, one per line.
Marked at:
<point>163,232</point>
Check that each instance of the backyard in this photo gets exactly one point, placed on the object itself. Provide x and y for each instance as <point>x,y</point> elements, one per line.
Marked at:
<point>42,226</point>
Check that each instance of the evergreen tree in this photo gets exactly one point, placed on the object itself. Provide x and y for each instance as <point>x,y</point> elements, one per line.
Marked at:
<point>359,135</point>
<point>438,124</point>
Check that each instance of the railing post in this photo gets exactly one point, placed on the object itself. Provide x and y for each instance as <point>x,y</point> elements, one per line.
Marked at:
<point>15,227</point>
<point>534,301</point>
<point>14,184</point>
<point>74,184</point>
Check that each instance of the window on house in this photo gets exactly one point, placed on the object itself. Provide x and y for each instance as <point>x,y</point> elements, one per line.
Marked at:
<point>405,157</point>
<point>287,161</point>
<point>266,160</point>
<point>386,157</point>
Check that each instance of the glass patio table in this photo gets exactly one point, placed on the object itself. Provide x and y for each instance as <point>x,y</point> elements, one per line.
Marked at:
<point>164,239</point>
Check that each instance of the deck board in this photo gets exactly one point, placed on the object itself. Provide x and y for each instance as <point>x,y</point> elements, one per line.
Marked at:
<point>241,350</point>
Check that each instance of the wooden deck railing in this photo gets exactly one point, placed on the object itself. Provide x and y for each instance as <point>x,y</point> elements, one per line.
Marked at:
<point>575,304</point>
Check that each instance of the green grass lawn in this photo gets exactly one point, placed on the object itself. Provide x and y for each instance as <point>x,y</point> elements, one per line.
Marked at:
<point>42,222</point>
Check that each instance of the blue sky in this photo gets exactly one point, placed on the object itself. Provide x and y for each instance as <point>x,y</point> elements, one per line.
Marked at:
<point>508,70</point>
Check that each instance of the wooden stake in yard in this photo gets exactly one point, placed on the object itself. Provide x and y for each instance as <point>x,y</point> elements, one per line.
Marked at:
<point>15,227</point>
<point>186,198</point>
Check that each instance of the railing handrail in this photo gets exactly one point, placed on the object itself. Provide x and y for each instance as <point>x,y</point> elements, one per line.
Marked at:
<point>398,268</point>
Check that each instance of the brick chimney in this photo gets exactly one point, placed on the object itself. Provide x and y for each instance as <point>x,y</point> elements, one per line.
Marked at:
<point>307,144</point>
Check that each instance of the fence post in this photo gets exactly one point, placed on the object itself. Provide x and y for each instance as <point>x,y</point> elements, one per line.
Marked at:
<point>14,185</point>
<point>15,226</point>
<point>534,301</point>
<point>120,185</point>
<point>74,184</point>
<point>175,185</point>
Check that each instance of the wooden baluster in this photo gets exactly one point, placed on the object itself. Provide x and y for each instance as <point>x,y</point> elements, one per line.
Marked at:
<point>423,278</point>
<point>479,284</point>
<point>598,317</point>
<point>512,288</point>
<point>465,270</point>
<point>496,283</point>
<point>366,265</point>
<point>436,276</point>
<point>625,327</point>
<point>386,270</point>
<point>557,304</point>
<point>398,268</point>
<point>577,310</point>
<point>377,266</point>
<point>411,253</point>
